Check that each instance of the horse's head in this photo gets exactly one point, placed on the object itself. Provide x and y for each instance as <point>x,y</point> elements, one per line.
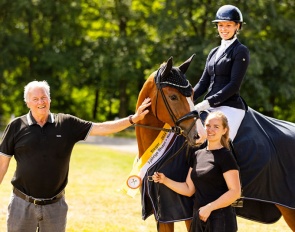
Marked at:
<point>172,99</point>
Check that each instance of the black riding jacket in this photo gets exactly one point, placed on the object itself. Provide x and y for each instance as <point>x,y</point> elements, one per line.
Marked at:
<point>223,78</point>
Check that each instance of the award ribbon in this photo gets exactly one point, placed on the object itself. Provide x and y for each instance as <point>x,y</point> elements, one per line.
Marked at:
<point>150,157</point>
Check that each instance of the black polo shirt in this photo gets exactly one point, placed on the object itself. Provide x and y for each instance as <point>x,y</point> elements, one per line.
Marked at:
<point>42,153</point>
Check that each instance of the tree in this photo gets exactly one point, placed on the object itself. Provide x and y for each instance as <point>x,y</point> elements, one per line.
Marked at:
<point>97,54</point>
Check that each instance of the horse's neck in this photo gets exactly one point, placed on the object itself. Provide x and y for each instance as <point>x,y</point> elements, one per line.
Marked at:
<point>146,136</point>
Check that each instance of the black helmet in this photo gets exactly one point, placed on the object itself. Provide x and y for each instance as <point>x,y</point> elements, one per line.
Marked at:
<point>228,13</point>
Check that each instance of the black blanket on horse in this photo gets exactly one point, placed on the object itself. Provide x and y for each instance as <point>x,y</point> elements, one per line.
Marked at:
<point>165,204</point>
<point>265,150</point>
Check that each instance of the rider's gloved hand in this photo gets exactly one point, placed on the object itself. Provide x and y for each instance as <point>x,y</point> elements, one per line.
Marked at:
<point>204,105</point>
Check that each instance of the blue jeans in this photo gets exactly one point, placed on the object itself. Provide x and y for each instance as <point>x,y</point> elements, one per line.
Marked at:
<point>220,220</point>
<point>24,216</point>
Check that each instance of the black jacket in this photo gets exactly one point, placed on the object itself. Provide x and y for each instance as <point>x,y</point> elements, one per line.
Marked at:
<point>223,78</point>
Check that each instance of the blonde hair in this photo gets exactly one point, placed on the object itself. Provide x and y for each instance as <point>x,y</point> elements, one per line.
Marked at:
<point>36,84</point>
<point>220,115</point>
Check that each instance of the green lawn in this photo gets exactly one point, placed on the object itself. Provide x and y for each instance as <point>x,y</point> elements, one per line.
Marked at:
<point>96,205</point>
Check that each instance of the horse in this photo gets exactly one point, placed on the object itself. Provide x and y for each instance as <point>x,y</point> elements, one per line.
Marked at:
<point>264,149</point>
<point>172,103</point>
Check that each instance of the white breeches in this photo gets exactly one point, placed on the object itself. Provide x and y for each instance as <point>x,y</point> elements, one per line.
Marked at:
<point>234,117</point>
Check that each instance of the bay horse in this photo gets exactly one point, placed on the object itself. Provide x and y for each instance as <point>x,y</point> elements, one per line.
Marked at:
<point>171,96</point>
<point>264,148</point>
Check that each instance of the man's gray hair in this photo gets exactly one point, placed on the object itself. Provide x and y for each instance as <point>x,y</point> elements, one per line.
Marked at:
<point>36,84</point>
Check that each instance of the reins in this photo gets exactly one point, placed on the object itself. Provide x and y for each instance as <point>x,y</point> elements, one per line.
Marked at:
<point>176,130</point>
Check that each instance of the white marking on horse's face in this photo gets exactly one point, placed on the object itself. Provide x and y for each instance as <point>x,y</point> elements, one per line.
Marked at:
<point>200,130</point>
<point>191,104</point>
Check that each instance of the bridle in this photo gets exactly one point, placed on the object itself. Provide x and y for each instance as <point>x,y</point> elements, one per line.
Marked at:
<point>176,128</point>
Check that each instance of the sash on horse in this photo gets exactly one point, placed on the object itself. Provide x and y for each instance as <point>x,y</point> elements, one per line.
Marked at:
<point>156,198</point>
<point>142,164</point>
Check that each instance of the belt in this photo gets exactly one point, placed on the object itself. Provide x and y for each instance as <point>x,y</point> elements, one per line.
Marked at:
<point>38,201</point>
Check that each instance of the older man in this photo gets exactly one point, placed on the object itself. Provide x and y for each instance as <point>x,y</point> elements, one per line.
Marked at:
<point>42,143</point>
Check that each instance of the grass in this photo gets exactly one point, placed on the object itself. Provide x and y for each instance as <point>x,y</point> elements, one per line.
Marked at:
<point>127,133</point>
<point>95,205</point>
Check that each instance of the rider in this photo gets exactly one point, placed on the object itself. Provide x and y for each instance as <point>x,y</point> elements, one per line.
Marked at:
<point>225,69</point>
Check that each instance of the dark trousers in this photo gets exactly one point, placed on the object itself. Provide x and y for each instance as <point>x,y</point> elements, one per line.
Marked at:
<point>221,220</point>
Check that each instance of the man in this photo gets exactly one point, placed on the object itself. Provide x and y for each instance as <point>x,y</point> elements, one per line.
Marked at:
<point>42,142</point>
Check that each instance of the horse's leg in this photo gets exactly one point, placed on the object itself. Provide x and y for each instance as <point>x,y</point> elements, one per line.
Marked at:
<point>188,224</point>
<point>165,227</point>
<point>169,227</point>
<point>288,215</point>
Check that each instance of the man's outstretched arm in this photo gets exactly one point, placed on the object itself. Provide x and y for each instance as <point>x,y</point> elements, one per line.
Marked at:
<point>109,127</point>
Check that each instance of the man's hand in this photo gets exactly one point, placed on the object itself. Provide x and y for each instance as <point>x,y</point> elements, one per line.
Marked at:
<point>110,127</point>
<point>141,111</point>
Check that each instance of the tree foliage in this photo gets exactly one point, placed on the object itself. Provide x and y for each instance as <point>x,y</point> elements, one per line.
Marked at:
<point>96,54</point>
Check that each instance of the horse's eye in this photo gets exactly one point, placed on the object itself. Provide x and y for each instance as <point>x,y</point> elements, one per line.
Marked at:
<point>173,97</point>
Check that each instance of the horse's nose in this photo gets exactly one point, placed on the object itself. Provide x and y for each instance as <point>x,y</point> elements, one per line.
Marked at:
<point>196,136</point>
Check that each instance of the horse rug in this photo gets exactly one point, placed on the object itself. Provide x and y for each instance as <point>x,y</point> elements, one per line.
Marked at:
<point>165,204</point>
<point>265,150</point>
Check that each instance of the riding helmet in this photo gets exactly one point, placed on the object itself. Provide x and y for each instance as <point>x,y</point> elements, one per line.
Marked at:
<point>229,13</point>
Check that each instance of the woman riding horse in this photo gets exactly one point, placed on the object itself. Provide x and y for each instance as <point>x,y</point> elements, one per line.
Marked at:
<point>264,146</point>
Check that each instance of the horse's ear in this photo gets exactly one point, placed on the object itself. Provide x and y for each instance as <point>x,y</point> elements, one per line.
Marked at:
<point>183,67</point>
<point>168,67</point>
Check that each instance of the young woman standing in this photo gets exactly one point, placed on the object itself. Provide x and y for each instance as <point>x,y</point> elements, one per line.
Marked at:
<point>213,177</point>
